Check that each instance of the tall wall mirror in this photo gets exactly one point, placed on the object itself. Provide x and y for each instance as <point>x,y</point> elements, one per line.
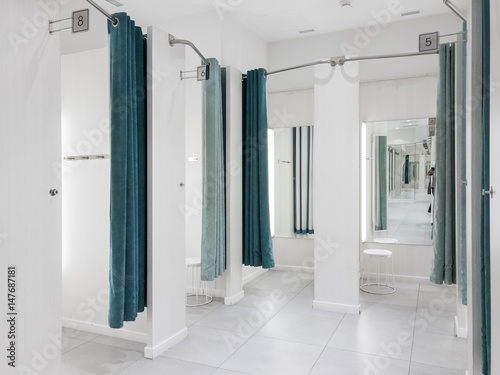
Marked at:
<point>397,189</point>
<point>291,145</point>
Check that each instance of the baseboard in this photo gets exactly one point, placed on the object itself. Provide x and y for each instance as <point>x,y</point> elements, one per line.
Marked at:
<point>152,353</point>
<point>254,275</point>
<point>336,307</point>
<point>234,299</point>
<point>297,269</point>
<point>105,330</point>
<point>461,332</point>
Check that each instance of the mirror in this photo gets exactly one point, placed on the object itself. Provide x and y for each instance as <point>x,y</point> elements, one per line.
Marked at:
<point>290,176</point>
<point>396,197</point>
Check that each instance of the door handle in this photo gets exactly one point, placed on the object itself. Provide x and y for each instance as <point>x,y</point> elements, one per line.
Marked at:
<point>489,192</point>
<point>53,192</point>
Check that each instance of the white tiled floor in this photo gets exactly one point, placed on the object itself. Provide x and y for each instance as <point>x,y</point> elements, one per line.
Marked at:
<point>274,330</point>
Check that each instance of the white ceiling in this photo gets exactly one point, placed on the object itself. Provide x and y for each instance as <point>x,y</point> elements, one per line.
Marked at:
<point>274,20</point>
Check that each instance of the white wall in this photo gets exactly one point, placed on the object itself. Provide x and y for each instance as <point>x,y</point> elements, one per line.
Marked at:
<point>30,219</point>
<point>86,187</point>
<point>336,201</point>
<point>166,227</point>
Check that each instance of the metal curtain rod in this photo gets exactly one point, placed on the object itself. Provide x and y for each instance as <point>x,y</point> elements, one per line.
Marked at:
<point>362,58</point>
<point>113,20</point>
<point>172,40</point>
<point>330,61</point>
<point>454,9</point>
<point>334,61</point>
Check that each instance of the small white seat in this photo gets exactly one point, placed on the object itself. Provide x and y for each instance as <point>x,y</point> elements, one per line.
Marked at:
<point>378,252</point>
<point>199,292</point>
<point>381,258</point>
<point>385,240</point>
<point>193,262</point>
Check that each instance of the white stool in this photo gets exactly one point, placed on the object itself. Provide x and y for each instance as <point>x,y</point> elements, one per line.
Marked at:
<point>377,286</point>
<point>385,240</point>
<point>199,292</point>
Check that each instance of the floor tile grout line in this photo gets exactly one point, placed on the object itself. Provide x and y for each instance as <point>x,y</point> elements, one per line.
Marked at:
<point>414,330</point>
<point>126,367</point>
<point>326,346</point>
<point>253,335</point>
<point>69,351</point>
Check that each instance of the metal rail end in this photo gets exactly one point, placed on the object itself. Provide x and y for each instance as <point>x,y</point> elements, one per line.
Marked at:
<point>171,39</point>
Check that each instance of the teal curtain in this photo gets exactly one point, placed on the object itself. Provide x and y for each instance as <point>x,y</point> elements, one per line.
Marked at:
<point>302,177</point>
<point>127,277</point>
<point>443,266</point>
<point>213,237</point>
<point>257,241</point>
<point>380,176</point>
<point>485,203</point>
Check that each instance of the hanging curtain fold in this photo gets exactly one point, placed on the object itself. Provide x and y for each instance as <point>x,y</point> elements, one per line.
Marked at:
<point>485,200</point>
<point>443,266</point>
<point>257,241</point>
<point>128,214</point>
<point>213,237</point>
<point>302,177</point>
<point>380,176</point>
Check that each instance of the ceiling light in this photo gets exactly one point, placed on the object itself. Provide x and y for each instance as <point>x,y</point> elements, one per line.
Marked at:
<point>410,13</point>
<point>345,3</point>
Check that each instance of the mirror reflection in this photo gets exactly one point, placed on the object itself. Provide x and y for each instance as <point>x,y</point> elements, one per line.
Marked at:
<point>397,183</point>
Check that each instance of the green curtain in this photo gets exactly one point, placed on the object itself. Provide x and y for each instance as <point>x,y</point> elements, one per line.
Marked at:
<point>127,277</point>
<point>443,266</point>
<point>257,241</point>
<point>380,175</point>
<point>213,237</point>
<point>485,202</point>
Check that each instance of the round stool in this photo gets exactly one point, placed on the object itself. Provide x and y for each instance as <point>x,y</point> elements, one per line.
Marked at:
<point>385,240</point>
<point>382,282</point>
<point>199,292</point>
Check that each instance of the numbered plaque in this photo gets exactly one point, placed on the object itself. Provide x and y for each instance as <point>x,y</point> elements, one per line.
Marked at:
<point>428,42</point>
<point>80,21</point>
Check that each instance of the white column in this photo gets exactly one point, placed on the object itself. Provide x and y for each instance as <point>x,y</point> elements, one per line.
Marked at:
<point>166,196</point>
<point>336,188</point>
<point>234,187</point>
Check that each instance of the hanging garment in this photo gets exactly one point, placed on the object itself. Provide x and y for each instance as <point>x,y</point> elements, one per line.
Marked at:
<point>257,241</point>
<point>302,177</point>
<point>213,236</point>
<point>128,211</point>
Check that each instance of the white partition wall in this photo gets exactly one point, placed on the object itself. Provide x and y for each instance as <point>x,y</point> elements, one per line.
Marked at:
<point>166,173</point>
<point>336,188</point>
<point>30,218</point>
<point>234,187</point>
